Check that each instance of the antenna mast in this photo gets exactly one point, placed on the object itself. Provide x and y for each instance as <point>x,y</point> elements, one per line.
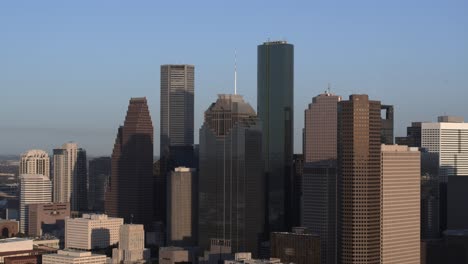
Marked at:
<point>235,72</point>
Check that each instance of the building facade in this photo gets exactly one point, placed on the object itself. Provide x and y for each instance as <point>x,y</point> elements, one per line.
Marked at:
<point>130,191</point>
<point>231,196</point>
<point>92,231</point>
<point>73,257</point>
<point>35,161</point>
<point>359,136</point>
<point>319,180</point>
<point>70,176</point>
<point>48,218</point>
<point>182,214</point>
<point>131,245</point>
<point>99,174</point>
<point>296,247</point>
<point>400,199</point>
<point>275,108</point>
<point>35,189</point>
<point>387,124</point>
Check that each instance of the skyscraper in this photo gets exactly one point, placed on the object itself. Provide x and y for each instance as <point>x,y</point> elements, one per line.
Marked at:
<point>130,190</point>
<point>413,136</point>
<point>177,110</point>
<point>319,180</point>
<point>70,176</point>
<point>296,247</point>
<point>231,196</point>
<point>447,142</point>
<point>400,199</point>
<point>182,209</point>
<point>99,174</point>
<point>35,161</point>
<point>275,107</point>
<point>387,125</point>
<point>359,135</point>
<point>35,189</point>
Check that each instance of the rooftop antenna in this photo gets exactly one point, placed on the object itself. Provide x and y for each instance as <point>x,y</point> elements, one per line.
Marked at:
<point>329,88</point>
<point>235,72</point>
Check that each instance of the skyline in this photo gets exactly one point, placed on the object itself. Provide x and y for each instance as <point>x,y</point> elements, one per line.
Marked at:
<point>70,69</point>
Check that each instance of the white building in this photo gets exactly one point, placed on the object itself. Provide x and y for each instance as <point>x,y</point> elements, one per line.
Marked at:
<point>34,189</point>
<point>15,244</point>
<point>35,161</point>
<point>131,245</point>
<point>448,139</point>
<point>73,257</point>
<point>92,231</point>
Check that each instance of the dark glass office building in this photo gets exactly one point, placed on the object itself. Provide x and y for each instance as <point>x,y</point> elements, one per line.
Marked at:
<point>99,173</point>
<point>275,105</point>
<point>130,191</point>
<point>231,205</point>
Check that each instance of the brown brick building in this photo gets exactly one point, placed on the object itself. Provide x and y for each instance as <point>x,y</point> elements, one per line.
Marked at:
<point>48,218</point>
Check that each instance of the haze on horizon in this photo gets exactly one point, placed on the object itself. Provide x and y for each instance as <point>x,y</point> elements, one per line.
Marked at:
<point>68,69</point>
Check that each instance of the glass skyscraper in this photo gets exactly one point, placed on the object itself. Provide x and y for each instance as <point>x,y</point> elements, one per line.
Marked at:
<point>275,107</point>
<point>231,175</point>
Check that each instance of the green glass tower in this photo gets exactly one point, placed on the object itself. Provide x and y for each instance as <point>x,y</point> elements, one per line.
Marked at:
<point>275,102</point>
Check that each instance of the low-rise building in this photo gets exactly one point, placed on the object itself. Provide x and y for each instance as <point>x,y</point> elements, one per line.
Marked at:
<point>172,255</point>
<point>48,218</point>
<point>74,257</point>
<point>11,248</point>
<point>297,247</point>
<point>246,258</point>
<point>92,231</point>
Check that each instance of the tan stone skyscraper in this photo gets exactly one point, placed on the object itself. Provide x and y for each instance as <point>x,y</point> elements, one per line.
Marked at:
<point>400,212</point>
<point>359,125</point>
<point>319,177</point>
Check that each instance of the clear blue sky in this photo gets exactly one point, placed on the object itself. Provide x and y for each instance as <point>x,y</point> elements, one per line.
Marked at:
<point>68,68</point>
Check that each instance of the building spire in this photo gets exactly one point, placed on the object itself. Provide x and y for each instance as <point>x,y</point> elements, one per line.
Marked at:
<point>235,72</point>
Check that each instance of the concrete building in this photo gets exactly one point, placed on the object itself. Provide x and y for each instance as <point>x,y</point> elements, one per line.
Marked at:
<point>74,257</point>
<point>17,250</point>
<point>446,142</point>
<point>386,136</point>
<point>174,255</point>
<point>319,180</point>
<point>70,176</point>
<point>400,200</point>
<point>130,191</point>
<point>48,218</point>
<point>231,182</point>
<point>275,108</point>
<point>35,161</point>
<point>131,245</point>
<point>220,250</point>
<point>8,228</point>
<point>182,214</point>
<point>359,137</point>
<point>34,189</point>
<point>299,247</point>
<point>92,231</point>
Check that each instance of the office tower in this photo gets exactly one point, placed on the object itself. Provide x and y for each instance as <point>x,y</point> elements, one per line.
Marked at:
<point>400,200</point>
<point>319,179</point>
<point>99,174</point>
<point>92,231</point>
<point>231,196</point>
<point>35,161</point>
<point>430,197</point>
<point>359,134</point>
<point>296,247</point>
<point>447,140</point>
<point>457,203</point>
<point>73,257</point>
<point>48,218</point>
<point>160,185</point>
<point>220,250</point>
<point>182,207</point>
<point>387,125</point>
<point>275,107</point>
<point>70,176</point>
<point>413,136</point>
<point>174,255</point>
<point>130,191</point>
<point>177,110</point>
<point>131,245</point>
<point>34,189</point>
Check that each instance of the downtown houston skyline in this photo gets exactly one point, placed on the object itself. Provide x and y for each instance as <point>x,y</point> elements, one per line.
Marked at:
<point>68,69</point>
